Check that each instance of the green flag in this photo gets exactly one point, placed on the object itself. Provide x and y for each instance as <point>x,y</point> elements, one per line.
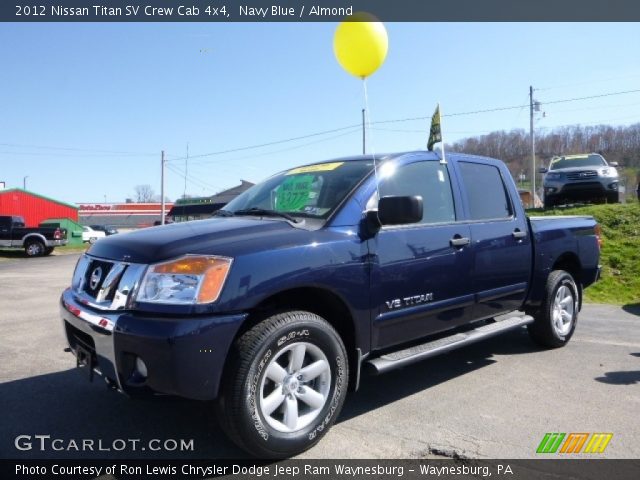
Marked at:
<point>435,135</point>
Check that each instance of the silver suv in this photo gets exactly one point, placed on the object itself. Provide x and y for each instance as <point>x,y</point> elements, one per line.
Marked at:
<point>585,177</point>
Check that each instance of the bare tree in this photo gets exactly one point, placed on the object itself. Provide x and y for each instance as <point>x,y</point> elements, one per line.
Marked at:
<point>143,193</point>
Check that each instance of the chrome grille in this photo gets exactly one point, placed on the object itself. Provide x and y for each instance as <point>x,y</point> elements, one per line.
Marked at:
<point>105,284</point>
<point>584,175</point>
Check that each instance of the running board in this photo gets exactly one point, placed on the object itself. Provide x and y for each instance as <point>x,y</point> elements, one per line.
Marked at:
<point>400,358</point>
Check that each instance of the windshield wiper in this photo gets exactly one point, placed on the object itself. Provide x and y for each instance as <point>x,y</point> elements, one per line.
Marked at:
<point>266,213</point>
<point>222,213</point>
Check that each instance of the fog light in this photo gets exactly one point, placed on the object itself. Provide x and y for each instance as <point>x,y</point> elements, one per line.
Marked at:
<point>141,368</point>
<point>613,186</point>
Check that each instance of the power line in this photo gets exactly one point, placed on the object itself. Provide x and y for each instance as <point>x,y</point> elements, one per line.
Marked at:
<point>267,144</point>
<point>273,152</point>
<point>512,107</point>
<point>590,97</point>
<point>193,180</point>
<point>108,152</point>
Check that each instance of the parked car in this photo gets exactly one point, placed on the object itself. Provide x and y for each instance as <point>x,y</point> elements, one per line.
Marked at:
<point>107,229</point>
<point>276,305</point>
<point>91,236</point>
<point>35,241</point>
<point>586,177</point>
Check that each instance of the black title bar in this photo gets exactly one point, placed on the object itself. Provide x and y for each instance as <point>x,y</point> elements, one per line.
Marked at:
<point>551,469</point>
<point>318,10</point>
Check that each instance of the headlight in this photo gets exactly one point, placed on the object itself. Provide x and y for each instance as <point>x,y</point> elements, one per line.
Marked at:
<point>189,279</point>
<point>608,172</point>
<point>553,176</point>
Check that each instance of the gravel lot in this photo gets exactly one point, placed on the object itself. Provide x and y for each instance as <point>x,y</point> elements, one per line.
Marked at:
<point>495,399</point>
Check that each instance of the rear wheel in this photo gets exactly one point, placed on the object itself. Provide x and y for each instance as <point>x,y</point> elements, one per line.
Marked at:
<point>34,248</point>
<point>556,320</point>
<point>284,386</point>
<point>48,250</point>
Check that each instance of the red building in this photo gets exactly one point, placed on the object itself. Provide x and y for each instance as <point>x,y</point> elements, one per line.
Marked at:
<point>33,207</point>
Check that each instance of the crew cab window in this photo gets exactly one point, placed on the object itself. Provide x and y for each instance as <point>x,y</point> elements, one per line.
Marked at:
<point>430,180</point>
<point>485,191</point>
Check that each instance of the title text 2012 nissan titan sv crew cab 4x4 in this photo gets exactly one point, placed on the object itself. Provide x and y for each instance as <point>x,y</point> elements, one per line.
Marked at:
<point>275,306</point>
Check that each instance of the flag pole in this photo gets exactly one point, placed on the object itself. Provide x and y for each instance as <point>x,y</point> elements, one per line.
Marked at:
<point>443,160</point>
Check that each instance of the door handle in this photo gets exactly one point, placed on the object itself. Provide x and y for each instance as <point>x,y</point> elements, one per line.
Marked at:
<point>518,234</point>
<point>459,241</point>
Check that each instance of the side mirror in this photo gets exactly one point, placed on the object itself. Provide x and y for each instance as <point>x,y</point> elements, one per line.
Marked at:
<point>400,210</point>
<point>543,170</point>
<point>614,164</point>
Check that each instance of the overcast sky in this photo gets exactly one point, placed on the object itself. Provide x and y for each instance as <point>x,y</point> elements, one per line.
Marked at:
<point>85,109</point>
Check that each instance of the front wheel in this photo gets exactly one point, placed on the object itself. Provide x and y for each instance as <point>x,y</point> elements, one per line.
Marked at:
<point>284,386</point>
<point>613,197</point>
<point>549,202</point>
<point>556,320</point>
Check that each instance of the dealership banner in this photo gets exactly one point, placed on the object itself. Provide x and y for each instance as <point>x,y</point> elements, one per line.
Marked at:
<point>590,469</point>
<point>317,11</point>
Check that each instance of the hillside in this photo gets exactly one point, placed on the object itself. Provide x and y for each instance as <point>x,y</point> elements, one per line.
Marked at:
<point>620,256</point>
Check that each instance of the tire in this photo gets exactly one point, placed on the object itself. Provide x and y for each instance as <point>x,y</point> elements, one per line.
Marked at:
<point>556,320</point>
<point>613,197</point>
<point>549,203</point>
<point>263,406</point>
<point>48,251</point>
<point>34,248</point>
<point>92,240</point>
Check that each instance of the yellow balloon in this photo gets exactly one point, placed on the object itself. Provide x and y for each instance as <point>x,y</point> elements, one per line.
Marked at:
<point>360,44</point>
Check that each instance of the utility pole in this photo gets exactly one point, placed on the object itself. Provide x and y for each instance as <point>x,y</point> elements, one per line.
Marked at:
<point>533,149</point>
<point>364,138</point>
<point>24,182</point>
<point>162,188</point>
<point>186,172</point>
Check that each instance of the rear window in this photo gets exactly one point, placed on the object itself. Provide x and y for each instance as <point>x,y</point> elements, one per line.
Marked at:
<point>485,191</point>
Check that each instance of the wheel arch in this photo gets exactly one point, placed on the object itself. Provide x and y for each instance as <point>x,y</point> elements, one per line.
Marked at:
<point>34,236</point>
<point>570,263</point>
<point>324,303</point>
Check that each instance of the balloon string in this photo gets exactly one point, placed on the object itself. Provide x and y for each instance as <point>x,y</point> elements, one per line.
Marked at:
<point>370,134</point>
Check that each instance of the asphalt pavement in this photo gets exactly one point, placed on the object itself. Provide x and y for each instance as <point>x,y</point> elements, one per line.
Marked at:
<point>495,399</point>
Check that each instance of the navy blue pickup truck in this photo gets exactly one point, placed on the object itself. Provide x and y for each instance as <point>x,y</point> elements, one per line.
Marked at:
<point>276,305</point>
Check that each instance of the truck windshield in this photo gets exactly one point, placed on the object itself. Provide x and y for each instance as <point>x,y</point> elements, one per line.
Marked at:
<point>312,191</point>
<point>577,161</point>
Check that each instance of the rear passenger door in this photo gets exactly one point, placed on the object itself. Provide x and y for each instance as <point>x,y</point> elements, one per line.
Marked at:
<point>501,246</point>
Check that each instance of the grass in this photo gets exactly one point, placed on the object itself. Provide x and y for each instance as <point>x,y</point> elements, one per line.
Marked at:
<point>620,255</point>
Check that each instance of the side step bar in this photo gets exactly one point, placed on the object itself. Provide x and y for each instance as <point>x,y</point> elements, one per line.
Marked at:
<point>400,358</point>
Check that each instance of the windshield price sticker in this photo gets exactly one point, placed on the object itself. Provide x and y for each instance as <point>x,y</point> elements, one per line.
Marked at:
<point>294,193</point>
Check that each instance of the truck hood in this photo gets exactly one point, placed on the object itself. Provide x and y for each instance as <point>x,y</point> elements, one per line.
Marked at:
<point>579,169</point>
<point>217,236</point>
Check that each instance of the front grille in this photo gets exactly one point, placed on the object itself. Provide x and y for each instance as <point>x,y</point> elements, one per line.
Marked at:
<point>585,186</point>
<point>584,175</point>
<point>104,284</point>
<point>95,276</point>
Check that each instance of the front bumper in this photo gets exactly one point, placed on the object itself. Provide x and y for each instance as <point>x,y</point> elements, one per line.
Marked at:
<point>581,190</point>
<point>184,356</point>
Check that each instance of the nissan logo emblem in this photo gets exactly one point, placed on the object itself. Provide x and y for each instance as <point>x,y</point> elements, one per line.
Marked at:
<point>94,280</point>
